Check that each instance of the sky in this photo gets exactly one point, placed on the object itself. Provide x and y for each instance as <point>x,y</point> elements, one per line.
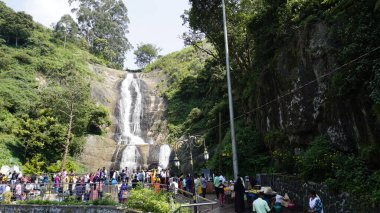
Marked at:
<point>151,21</point>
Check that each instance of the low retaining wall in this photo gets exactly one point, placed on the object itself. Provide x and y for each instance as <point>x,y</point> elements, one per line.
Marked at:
<point>298,193</point>
<point>62,209</point>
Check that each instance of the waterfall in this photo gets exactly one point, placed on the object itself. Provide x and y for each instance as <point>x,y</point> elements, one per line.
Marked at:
<point>131,111</point>
<point>164,155</point>
<point>136,148</point>
<point>130,118</point>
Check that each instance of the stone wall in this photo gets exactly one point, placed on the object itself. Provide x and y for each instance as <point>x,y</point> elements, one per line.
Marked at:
<point>298,193</point>
<point>62,209</point>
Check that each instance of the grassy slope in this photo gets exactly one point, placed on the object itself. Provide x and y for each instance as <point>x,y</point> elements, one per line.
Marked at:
<point>24,72</point>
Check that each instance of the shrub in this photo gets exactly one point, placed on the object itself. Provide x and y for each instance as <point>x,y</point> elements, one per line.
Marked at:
<point>5,61</point>
<point>149,201</point>
<point>7,197</point>
<point>23,58</point>
<point>317,163</point>
<point>99,120</point>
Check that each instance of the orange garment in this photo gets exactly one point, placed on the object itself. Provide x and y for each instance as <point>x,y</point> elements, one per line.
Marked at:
<point>157,186</point>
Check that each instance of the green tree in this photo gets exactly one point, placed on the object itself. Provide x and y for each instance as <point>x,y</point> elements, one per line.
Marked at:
<point>145,54</point>
<point>42,136</point>
<point>98,120</point>
<point>15,27</point>
<point>70,101</point>
<point>104,24</point>
<point>66,29</point>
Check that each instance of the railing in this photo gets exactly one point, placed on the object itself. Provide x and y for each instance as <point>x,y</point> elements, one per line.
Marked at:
<point>58,192</point>
<point>195,203</point>
<point>93,191</point>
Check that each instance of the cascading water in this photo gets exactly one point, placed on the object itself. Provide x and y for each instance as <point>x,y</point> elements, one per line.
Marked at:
<point>164,155</point>
<point>131,111</point>
<point>132,141</point>
<point>130,119</point>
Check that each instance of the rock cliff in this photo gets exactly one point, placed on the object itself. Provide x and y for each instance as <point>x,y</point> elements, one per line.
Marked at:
<point>306,105</point>
<point>103,150</point>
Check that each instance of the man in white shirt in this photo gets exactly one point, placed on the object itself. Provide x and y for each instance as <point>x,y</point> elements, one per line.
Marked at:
<point>260,205</point>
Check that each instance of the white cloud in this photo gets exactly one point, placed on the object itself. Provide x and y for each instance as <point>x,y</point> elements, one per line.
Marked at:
<point>45,12</point>
<point>48,11</point>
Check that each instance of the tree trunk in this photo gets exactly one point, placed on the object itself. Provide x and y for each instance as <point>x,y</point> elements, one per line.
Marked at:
<point>67,144</point>
<point>64,43</point>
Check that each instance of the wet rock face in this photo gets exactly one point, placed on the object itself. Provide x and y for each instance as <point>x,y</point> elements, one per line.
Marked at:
<point>104,151</point>
<point>312,110</point>
<point>152,122</point>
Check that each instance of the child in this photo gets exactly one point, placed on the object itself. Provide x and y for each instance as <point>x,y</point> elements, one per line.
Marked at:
<point>221,187</point>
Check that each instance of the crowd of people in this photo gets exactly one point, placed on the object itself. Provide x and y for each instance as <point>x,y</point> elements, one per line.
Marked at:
<point>84,187</point>
<point>93,186</point>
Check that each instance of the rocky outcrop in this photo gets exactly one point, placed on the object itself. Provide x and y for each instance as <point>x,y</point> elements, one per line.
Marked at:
<point>306,105</point>
<point>154,120</point>
<point>103,151</point>
<point>151,125</point>
<point>98,150</point>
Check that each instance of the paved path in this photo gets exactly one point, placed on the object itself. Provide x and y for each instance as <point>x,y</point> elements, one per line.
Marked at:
<point>229,206</point>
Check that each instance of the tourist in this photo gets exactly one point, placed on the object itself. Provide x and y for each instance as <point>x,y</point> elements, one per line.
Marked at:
<point>278,199</point>
<point>64,174</point>
<point>173,185</point>
<point>57,180</point>
<point>188,183</point>
<point>18,191</point>
<point>204,185</point>
<point>123,192</point>
<point>221,187</point>
<point>184,183</point>
<point>14,177</point>
<point>222,178</point>
<point>197,185</point>
<point>135,182</point>
<point>87,191</point>
<point>79,191</point>
<point>239,195</point>
<point>260,205</point>
<point>141,176</point>
<point>94,190</point>
<point>315,202</point>
<point>216,184</point>
<point>123,175</point>
<point>71,182</point>
<point>112,174</point>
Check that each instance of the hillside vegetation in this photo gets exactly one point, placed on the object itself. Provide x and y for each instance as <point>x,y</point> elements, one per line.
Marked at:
<point>45,104</point>
<point>305,85</point>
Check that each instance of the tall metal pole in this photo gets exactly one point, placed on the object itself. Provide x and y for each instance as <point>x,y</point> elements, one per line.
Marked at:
<point>234,153</point>
<point>220,141</point>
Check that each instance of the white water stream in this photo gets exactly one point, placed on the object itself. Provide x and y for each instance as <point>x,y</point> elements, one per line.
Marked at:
<point>131,114</point>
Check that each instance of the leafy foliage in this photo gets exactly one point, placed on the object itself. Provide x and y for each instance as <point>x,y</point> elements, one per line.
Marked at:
<point>148,200</point>
<point>66,29</point>
<point>104,25</point>
<point>317,162</point>
<point>34,92</point>
<point>42,133</point>
<point>145,54</point>
<point>259,32</point>
<point>15,28</point>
